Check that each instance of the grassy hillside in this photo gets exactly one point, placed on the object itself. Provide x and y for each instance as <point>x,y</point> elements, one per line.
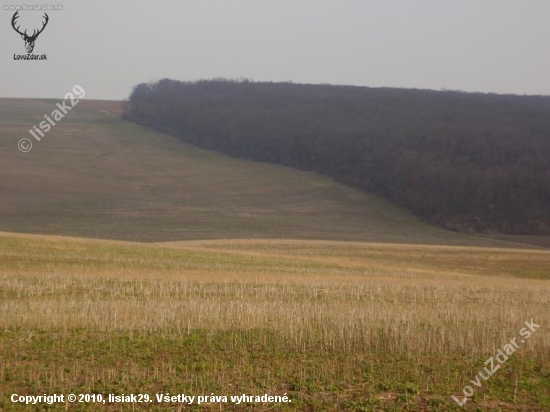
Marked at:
<point>94,175</point>
<point>334,325</point>
<point>469,162</point>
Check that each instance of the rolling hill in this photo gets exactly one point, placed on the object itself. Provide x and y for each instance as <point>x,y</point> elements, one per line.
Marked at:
<point>94,175</point>
<point>469,162</point>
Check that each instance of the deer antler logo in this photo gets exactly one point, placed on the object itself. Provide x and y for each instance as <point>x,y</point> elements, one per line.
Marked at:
<point>29,40</point>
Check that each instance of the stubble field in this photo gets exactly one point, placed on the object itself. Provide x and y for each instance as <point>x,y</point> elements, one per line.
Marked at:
<point>334,325</point>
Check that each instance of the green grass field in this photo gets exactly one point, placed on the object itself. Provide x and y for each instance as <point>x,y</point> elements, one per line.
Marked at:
<point>133,263</point>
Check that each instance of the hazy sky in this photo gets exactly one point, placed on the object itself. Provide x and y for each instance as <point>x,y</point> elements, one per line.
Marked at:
<point>108,46</point>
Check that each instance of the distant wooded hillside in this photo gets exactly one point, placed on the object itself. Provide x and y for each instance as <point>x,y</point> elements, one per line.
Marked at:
<point>468,162</point>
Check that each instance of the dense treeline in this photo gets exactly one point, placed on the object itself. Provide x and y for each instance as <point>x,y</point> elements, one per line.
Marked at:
<point>470,162</point>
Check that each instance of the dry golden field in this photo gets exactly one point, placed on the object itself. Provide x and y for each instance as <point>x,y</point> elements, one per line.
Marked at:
<point>335,325</point>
